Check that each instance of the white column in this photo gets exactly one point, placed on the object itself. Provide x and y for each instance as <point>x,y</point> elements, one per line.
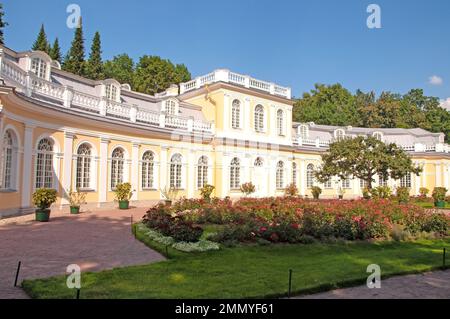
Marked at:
<point>272,168</point>
<point>191,184</point>
<point>163,183</point>
<point>416,181</point>
<point>103,171</point>
<point>271,122</point>
<point>438,166</point>
<point>424,176</point>
<point>226,112</point>
<point>302,176</point>
<point>26,189</point>
<point>288,128</point>
<point>135,170</point>
<point>354,184</point>
<point>225,175</point>
<point>67,166</point>
<point>446,175</point>
<point>246,122</point>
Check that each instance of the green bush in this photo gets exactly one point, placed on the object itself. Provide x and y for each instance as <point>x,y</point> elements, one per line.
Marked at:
<point>248,188</point>
<point>43,198</point>
<point>402,194</point>
<point>206,192</point>
<point>316,191</point>
<point>381,192</point>
<point>423,191</point>
<point>439,194</point>
<point>291,190</point>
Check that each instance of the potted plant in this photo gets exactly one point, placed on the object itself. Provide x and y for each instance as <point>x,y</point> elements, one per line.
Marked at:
<point>439,196</point>
<point>316,191</point>
<point>248,188</point>
<point>43,198</point>
<point>206,192</point>
<point>169,195</point>
<point>123,194</point>
<point>291,190</point>
<point>76,199</point>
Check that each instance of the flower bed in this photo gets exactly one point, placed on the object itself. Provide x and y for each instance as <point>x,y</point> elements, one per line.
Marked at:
<point>295,220</point>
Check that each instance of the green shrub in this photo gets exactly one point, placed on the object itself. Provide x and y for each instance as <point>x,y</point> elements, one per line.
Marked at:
<point>439,194</point>
<point>185,232</point>
<point>206,192</point>
<point>381,192</point>
<point>43,198</point>
<point>316,191</point>
<point>402,194</point>
<point>291,190</point>
<point>366,193</point>
<point>423,191</point>
<point>123,192</point>
<point>248,188</point>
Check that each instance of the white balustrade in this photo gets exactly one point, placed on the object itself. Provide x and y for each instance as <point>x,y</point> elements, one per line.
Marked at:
<point>176,122</point>
<point>118,110</point>
<point>43,87</point>
<point>14,73</point>
<point>200,126</point>
<point>86,102</point>
<point>148,117</point>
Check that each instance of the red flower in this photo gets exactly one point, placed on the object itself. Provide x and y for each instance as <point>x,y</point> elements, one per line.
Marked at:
<point>295,225</point>
<point>263,229</point>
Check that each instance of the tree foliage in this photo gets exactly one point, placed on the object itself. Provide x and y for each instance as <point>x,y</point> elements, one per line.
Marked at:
<point>94,66</point>
<point>335,105</point>
<point>154,75</point>
<point>55,51</point>
<point>41,43</point>
<point>3,24</point>
<point>121,68</point>
<point>74,60</point>
<point>363,158</point>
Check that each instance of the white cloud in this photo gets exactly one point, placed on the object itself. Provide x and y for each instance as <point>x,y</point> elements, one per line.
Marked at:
<point>446,104</point>
<point>435,80</point>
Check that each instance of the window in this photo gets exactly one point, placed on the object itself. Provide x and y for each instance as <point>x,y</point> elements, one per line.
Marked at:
<point>39,68</point>
<point>235,172</point>
<point>310,176</point>
<point>378,135</point>
<point>202,172</point>
<point>147,170</point>
<point>170,107</point>
<point>382,181</point>
<point>346,183</point>
<point>304,132</point>
<point>236,114</point>
<point>339,135</point>
<point>280,120</point>
<point>363,184</point>
<point>328,184</point>
<point>294,173</point>
<point>405,181</point>
<point>280,175</point>
<point>7,161</point>
<point>84,166</point>
<point>259,118</point>
<point>111,92</point>
<point>117,166</point>
<point>44,164</point>
<point>175,171</point>
<point>259,162</point>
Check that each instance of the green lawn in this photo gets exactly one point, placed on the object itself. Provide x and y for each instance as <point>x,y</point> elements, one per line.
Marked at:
<point>250,271</point>
<point>431,205</point>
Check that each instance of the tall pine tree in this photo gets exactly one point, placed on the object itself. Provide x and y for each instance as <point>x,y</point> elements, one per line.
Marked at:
<point>41,43</point>
<point>2,24</point>
<point>55,51</point>
<point>74,60</point>
<point>94,66</point>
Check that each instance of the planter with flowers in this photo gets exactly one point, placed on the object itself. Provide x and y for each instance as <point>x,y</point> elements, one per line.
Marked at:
<point>43,198</point>
<point>439,196</point>
<point>76,199</point>
<point>247,189</point>
<point>123,195</point>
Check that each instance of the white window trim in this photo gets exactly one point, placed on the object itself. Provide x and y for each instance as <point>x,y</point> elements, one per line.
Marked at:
<point>95,160</point>
<point>57,156</point>
<point>126,166</point>
<point>15,161</point>
<point>155,171</point>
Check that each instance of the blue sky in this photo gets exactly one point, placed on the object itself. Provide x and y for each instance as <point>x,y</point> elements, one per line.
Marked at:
<point>293,43</point>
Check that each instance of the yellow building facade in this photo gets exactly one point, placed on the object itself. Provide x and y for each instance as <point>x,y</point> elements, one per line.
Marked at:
<point>61,131</point>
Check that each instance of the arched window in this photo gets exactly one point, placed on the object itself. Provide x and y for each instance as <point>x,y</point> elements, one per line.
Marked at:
<point>405,181</point>
<point>280,175</point>
<point>339,134</point>
<point>378,135</point>
<point>259,162</point>
<point>39,68</point>
<point>280,122</point>
<point>202,172</point>
<point>111,92</point>
<point>171,107</point>
<point>84,166</point>
<point>294,173</point>
<point>44,164</point>
<point>304,131</point>
<point>117,166</point>
<point>148,163</point>
<point>310,176</point>
<point>8,161</point>
<point>235,173</point>
<point>259,118</point>
<point>175,171</point>
<point>236,114</point>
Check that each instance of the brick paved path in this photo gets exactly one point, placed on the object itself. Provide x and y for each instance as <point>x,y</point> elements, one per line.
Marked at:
<point>95,241</point>
<point>435,285</point>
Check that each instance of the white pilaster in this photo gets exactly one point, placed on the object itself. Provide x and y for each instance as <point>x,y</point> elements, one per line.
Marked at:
<point>191,180</point>
<point>226,112</point>
<point>103,170</point>
<point>225,176</point>
<point>163,168</point>
<point>446,176</point>
<point>246,122</point>
<point>27,166</point>
<point>302,176</point>
<point>135,170</point>
<point>423,176</point>
<point>67,166</point>
<point>438,166</point>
